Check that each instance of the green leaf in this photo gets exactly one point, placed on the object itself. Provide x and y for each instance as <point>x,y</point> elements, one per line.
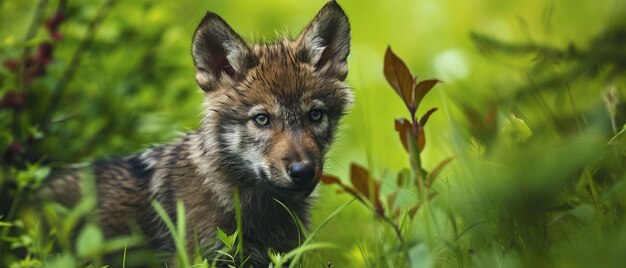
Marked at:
<point>515,130</point>
<point>420,257</point>
<point>35,132</point>
<point>277,258</point>
<point>62,261</point>
<point>179,241</point>
<point>89,242</point>
<point>228,240</point>
<point>299,225</point>
<point>224,253</point>
<point>585,213</point>
<point>233,237</point>
<point>305,248</point>
<point>32,176</point>
<point>222,236</point>
<point>404,176</point>
<point>120,243</point>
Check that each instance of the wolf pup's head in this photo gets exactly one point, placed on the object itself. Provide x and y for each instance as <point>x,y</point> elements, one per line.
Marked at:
<point>272,109</point>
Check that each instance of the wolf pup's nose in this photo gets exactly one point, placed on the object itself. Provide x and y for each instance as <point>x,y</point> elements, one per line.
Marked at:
<point>302,173</point>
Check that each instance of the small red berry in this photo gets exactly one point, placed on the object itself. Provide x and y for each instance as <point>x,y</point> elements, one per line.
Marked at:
<point>54,22</point>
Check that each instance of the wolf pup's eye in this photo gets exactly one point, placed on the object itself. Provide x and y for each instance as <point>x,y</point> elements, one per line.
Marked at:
<point>261,120</point>
<point>316,115</point>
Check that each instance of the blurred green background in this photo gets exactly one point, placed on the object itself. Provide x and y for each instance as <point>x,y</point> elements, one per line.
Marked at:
<point>548,63</point>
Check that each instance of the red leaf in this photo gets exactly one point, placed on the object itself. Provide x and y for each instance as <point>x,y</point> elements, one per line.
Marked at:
<point>422,89</point>
<point>427,115</point>
<point>400,78</point>
<point>403,126</point>
<point>421,139</point>
<point>362,182</point>
<point>435,172</point>
<point>360,178</point>
<point>329,179</point>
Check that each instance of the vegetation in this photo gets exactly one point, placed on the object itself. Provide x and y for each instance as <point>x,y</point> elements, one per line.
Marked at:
<point>524,165</point>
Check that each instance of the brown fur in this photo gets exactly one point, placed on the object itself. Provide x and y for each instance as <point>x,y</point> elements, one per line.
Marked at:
<point>286,81</point>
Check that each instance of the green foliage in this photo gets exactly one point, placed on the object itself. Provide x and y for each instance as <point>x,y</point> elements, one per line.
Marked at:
<point>177,231</point>
<point>89,241</point>
<point>228,240</point>
<point>524,163</point>
<point>234,242</point>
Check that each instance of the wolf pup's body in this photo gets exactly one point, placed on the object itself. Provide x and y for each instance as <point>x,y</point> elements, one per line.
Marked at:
<point>271,111</point>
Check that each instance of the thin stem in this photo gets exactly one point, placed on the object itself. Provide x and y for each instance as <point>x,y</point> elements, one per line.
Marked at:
<point>238,220</point>
<point>67,76</point>
<point>396,230</point>
<point>457,237</point>
<point>30,33</point>
<point>576,112</point>
<point>20,82</point>
<point>13,209</point>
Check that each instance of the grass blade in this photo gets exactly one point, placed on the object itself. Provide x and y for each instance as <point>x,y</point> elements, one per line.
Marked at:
<point>178,241</point>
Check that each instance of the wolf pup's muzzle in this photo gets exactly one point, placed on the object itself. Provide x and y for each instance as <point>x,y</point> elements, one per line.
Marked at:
<point>302,174</point>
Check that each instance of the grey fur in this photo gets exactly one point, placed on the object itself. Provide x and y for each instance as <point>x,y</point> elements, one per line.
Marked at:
<point>229,151</point>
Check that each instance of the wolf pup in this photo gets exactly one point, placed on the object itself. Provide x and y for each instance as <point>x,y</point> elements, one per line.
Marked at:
<point>271,112</point>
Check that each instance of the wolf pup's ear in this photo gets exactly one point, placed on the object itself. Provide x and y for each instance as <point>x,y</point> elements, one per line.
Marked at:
<point>219,53</point>
<point>325,42</point>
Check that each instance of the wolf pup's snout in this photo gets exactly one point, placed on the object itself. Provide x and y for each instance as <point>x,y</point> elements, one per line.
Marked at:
<point>302,173</point>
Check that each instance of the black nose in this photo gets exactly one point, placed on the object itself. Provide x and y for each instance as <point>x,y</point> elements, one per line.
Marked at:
<point>302,173</point>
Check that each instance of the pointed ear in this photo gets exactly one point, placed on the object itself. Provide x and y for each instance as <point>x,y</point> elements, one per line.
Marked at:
<point>219,53</point>
<point>325,42</point>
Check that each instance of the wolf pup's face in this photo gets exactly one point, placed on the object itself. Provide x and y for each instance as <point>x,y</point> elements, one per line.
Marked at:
<point>272,109</point>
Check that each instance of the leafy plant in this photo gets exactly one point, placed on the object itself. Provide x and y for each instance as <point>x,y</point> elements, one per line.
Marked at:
<point>365,188</point>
